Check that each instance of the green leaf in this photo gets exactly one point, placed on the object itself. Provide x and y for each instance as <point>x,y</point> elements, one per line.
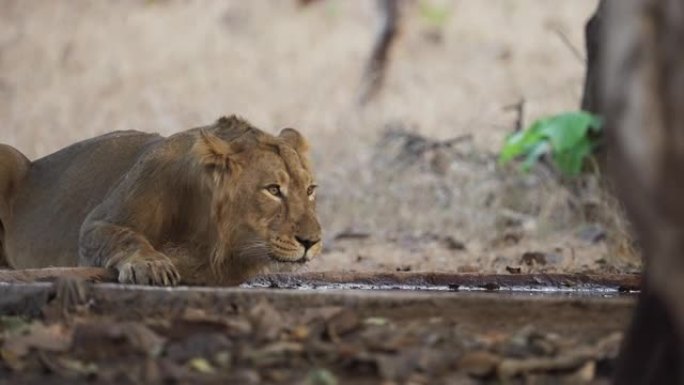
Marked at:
<point>566,136</point>
<point>521,142</point>
<point>566,130</point>
<point>570,162</point>
<point>533,156</point>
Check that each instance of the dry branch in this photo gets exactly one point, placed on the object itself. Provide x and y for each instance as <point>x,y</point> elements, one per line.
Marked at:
<point>94,274</point>
<point>376,68</point>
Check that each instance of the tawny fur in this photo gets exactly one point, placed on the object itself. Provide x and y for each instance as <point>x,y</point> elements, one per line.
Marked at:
<point>194,206</point>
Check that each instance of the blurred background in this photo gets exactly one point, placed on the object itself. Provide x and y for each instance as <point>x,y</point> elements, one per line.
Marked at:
<point>408,173</point>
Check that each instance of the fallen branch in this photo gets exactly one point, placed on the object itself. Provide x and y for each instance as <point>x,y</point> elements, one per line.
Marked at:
<point>94,274</point>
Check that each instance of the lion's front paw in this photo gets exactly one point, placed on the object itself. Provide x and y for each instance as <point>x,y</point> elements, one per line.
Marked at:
<point>157,271</point>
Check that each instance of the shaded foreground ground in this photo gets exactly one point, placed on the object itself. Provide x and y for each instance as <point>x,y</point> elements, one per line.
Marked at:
<point>128,334</point>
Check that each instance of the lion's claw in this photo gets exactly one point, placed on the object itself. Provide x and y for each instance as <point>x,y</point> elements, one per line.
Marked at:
<point>160,272</point>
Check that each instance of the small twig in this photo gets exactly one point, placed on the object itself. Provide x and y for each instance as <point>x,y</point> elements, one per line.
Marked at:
<point>304,3</point>
<point>519,109</point>
<point>453,141</point>
<point>564,38</point>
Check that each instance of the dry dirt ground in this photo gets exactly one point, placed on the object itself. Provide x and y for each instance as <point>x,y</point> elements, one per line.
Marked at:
<point>395,194</point>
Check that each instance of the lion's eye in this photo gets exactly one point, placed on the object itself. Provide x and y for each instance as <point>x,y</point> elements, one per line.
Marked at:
<point>274,190</point>
<point>311,190</point>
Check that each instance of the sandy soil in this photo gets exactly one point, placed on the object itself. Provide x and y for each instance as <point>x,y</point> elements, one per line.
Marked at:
<point>72,70</point>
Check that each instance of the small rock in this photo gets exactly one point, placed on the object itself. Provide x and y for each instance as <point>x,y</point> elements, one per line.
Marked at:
<point>531,258</point>
<point>452,243</point>
<point>513,270</point>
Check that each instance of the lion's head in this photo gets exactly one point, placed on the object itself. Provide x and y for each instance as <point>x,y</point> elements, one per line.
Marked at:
<point>263,194</point>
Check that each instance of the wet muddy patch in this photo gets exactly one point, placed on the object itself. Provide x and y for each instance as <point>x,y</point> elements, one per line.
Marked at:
<point>585,284</point>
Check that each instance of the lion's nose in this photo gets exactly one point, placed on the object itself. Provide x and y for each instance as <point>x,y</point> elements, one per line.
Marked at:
<point>307,243</point>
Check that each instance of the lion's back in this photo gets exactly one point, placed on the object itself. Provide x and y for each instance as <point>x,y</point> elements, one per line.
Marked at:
<point>61,189</point>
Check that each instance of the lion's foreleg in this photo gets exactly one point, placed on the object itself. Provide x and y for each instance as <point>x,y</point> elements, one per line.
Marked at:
<point>13,168</point>
<point>129,252</point>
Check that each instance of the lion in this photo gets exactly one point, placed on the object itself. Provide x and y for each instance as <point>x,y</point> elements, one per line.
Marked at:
<point>210,205</point>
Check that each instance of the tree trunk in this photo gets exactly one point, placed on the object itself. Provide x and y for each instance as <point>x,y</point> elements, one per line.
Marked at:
<point>593,31</point>
<point>592,37</point>
<point>642,96</point>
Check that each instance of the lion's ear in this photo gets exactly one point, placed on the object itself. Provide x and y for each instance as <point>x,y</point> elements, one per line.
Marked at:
<point>293,138</point>
<point>213,151</point>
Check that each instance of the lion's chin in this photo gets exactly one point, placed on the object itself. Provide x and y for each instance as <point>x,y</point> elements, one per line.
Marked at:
<point>288,259</point>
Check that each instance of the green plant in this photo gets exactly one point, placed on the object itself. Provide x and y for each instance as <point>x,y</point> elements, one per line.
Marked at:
<point>435,15</point>
<point>569,138</point>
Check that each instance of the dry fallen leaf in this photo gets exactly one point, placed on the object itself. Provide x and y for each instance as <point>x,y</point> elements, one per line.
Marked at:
<point>142,338</point>
<point>14,324</point>
<point>300,332</point>
<point>479,363</point>
<point>90,336</point>
<point>375,321</point>
<point>266,321</point>
<point>320,376</point>
<point>342,323</point>
<point>201,365</point>
<point>77,366</point>
<point>54,338</point>
<point>277,352</point>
